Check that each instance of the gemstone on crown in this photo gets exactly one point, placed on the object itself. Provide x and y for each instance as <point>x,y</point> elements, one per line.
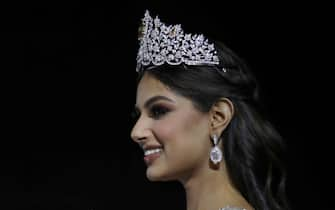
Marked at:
<point>161,44</point>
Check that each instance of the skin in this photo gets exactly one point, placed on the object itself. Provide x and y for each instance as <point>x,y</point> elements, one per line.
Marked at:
<point>169,120</point>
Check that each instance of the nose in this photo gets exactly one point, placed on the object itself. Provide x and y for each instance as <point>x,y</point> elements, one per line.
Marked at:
<point>140,131</point>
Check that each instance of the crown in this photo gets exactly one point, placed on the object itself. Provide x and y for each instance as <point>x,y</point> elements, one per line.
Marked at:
<point>161,44</point>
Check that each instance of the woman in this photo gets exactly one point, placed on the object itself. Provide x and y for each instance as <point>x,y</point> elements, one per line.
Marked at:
<point>199,123</point>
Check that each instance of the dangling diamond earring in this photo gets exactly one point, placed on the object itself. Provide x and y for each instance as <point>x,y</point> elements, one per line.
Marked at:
<point>216,153</point>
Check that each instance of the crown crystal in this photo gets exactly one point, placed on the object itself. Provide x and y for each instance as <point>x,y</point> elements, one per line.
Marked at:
<point>161,44</point>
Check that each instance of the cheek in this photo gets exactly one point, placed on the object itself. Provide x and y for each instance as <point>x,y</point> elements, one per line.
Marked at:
<point>165,130</point>
<point>186,146</point>
<point>182,132</point>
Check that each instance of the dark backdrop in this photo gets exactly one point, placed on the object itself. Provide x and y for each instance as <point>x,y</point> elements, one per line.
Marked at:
<point>67,134</point>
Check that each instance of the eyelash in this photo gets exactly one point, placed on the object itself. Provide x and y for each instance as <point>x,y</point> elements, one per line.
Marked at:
<point>158,111</point>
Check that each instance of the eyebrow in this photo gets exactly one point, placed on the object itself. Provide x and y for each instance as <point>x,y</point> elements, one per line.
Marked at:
<point>152,100</point>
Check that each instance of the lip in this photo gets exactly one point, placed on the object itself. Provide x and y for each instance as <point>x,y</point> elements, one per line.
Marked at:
<point>149,159</point>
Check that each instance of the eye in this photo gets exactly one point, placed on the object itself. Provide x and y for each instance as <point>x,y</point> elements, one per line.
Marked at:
<point>158,111</point>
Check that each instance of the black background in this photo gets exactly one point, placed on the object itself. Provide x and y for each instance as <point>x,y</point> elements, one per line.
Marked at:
<point>67,125</point>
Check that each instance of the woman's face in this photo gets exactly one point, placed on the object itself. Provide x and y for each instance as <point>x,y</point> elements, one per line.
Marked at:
<point>174,135</point>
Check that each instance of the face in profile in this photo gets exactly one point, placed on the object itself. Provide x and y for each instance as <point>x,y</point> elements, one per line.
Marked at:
<point>172,132</point>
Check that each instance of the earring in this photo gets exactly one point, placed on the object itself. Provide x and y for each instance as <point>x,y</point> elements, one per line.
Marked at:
<point>216,153</point>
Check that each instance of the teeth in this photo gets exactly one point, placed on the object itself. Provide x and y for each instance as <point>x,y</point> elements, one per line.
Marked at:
<point>152,151</point>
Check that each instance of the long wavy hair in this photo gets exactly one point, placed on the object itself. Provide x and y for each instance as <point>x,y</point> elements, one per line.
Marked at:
<point>253,149</point>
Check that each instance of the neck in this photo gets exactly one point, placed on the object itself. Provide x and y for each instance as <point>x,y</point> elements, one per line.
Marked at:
<point>210,189</point>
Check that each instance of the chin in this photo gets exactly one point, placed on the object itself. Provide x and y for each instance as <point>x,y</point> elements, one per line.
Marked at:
<point>153,175</point>
<point>156,175</point>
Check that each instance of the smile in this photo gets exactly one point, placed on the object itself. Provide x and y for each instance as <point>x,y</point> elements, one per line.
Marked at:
<point>152,151</point>
<point>151,155</point>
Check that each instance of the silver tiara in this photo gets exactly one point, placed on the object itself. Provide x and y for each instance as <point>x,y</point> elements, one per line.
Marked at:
<point>161,44</point>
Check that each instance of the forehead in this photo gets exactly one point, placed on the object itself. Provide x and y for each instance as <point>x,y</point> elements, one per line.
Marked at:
<point>149,87</point>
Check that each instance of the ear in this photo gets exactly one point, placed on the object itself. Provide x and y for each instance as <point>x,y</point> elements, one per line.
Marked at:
<point>221,114</point>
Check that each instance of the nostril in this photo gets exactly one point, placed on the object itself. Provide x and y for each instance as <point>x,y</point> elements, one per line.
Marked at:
<point>140,133</point>
<point>141,138</point>
<point>138,138</point>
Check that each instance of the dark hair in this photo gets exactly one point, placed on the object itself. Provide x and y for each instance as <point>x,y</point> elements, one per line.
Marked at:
<point>253,149</point>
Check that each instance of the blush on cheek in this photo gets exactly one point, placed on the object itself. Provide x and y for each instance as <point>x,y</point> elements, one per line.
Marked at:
<point>165,130</point>
<point>180,123</point>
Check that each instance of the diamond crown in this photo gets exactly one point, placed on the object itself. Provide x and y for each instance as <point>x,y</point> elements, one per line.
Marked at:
<point>161,44</point>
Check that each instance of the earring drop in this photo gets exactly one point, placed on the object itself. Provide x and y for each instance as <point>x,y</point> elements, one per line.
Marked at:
<point>216,153</point>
